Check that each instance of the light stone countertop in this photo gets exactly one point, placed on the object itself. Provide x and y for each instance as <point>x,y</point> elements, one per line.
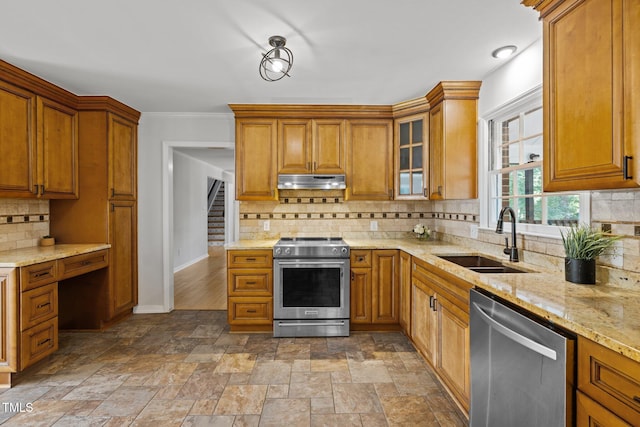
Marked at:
<point>33,255</point>
<point>604,313</point>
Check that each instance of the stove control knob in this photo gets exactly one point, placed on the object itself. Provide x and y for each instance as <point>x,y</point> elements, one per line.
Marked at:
<point>287,251</point>
<point>278,251</point>
<point>334,250</point>
<point>344,250</point>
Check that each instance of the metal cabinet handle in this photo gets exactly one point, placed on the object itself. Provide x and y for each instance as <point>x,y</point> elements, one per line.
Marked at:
<point>435,307</point>
<point>636,398</point>
<point>44,342</point>
<point>44,304</point>
<point>251,259</point>
<point>625,167</point>
<point>514,336</point>
<point>40,274</point>
<point>253,282</point>
<point>431,301</point>
<point>251,311</point>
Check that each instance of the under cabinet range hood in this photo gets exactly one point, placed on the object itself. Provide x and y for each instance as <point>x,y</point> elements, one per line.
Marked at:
<point>311,182</point>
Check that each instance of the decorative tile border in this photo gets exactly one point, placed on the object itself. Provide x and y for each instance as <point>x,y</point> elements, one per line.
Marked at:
<point>21,219</point>
<point>361,215</point>
<point>310,200</point>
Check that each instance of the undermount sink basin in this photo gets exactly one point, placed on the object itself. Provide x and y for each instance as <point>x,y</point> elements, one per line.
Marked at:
<point>480,264</point>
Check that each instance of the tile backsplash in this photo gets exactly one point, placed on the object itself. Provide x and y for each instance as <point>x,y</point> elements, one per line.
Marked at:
<point>455,221</point>
<point>22,222</point>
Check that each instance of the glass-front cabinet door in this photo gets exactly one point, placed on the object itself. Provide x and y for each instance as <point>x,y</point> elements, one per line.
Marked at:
<point>412,152</point>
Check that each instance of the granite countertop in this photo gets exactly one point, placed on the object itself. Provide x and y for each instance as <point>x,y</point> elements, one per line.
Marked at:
<point>604,313</point>
<point>33,255</point>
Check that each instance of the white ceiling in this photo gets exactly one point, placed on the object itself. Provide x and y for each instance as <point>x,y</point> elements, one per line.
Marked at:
<point>200,55</point>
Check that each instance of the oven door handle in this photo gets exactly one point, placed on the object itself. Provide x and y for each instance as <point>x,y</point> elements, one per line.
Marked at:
<point>297,263</point>
<point>514,336</point>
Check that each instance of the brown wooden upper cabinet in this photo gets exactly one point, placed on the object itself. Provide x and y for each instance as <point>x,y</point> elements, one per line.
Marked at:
<point>38,145</point>
<point>256,159</point>
<point>411,150</point>
<point>311,146</point>
<point>591,94</point>
<point>453,117</point>
<point>370,159</point>
<point>123,135</point>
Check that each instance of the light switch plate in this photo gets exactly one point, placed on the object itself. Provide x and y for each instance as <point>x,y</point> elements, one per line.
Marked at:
<point>473,231</point>
<point>373,225</point>
<point>266,226</point>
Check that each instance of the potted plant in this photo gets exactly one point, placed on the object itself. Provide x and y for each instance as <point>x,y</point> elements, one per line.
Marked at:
<point>47,241</point>
<point>582,245</point>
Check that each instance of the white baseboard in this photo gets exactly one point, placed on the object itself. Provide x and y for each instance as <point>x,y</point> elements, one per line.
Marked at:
<point>190,263</point>
<point>149,309</point>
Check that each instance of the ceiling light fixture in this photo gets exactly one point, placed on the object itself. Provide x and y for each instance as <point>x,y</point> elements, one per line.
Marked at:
<point>504,52</point>
<point>277,62</point>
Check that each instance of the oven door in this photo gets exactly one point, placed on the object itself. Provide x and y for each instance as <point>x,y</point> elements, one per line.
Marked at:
<point>311,289</point>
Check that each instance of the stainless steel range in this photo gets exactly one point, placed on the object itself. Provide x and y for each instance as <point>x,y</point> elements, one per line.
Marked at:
<point>311,287</point>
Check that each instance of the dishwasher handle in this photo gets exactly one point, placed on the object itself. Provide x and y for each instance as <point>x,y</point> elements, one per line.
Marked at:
<point>514,336</point>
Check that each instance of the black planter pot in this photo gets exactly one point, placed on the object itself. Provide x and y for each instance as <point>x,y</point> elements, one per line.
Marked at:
<point>582,271</point>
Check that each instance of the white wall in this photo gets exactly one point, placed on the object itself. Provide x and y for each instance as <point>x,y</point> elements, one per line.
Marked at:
<point>156,129</point>
<point>190,209</point>
<point>514,78</point>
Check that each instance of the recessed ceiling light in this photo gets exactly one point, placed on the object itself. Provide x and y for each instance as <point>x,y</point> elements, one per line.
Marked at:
<point>504,52</point>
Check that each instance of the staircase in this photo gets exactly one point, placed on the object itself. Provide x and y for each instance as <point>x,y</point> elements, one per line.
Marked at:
<point>216,219</point>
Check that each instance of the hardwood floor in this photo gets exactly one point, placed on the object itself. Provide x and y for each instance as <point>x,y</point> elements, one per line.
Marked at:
<point>203,286</point>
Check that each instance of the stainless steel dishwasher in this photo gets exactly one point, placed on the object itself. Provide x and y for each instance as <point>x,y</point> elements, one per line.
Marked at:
<point>522,367</point>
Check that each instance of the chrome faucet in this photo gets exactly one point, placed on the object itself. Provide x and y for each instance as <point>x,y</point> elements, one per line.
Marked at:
<point>513,250</point>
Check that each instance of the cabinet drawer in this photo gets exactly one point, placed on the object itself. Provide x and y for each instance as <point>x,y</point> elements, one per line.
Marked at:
<point>36,275</point>
<point>360,258</point>
<point>250,282</point>
<point>38,305</point>
<point>589,413</point>
<point>38,342</point>
<point>250,311</point>
<point>80,264</point>
<point>250,259</point>
<point>610,378</point>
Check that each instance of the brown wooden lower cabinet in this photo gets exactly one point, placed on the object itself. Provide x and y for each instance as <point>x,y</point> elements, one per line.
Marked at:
<point>30,306</point>
<point>608,387</point>
<point>405,292</point>
<point>440,326</point>
<point>590,413</point>
<point>250,290</point>
<point>375,289</point>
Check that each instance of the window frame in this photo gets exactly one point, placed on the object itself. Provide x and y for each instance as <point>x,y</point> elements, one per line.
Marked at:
<point>527,101</point>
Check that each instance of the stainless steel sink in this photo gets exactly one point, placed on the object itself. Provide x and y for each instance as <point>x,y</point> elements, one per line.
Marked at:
<point>480,264</point>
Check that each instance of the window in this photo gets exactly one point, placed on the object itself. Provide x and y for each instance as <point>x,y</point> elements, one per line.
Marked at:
<point>514,171</point>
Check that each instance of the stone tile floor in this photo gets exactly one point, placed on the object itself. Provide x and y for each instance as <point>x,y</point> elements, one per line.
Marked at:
<point>184,368</point>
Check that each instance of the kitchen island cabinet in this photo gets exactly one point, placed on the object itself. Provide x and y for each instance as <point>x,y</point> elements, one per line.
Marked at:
<point>591,94</point>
